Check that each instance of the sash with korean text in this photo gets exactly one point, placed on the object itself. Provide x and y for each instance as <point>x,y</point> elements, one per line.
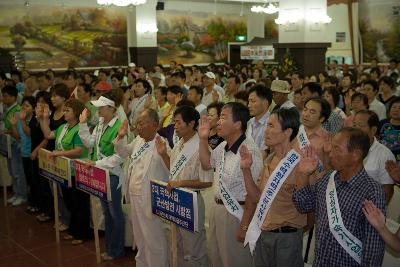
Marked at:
<point>60,138</point>
<point>189,148</point>
<point>347,240</point>
<point>271,189</point>
<point>302,137</point>
<point>230,202</point>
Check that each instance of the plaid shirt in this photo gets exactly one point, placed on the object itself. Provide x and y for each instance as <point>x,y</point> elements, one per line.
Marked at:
<point>351,195</point>
<point>333,124</point>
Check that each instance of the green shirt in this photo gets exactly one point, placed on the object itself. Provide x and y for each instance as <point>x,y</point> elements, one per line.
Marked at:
<point>9,114</point>
<point>106,141</point>
<point>69,141</point>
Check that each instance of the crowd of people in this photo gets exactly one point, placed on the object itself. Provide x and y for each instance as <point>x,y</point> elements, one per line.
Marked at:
<point>284,153</point>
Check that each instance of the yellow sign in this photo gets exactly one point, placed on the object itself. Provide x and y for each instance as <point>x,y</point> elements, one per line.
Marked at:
<point>55,168</point>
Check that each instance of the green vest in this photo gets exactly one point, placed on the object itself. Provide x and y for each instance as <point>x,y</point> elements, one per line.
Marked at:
<point>106,145</point>
<point>70,140</point>
<point>9,114</point>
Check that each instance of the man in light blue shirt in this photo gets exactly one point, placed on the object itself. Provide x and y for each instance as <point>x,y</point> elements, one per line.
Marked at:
<point>260,98</point>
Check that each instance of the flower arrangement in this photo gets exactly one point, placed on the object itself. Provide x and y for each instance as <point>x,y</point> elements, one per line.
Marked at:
<point>287,63</point>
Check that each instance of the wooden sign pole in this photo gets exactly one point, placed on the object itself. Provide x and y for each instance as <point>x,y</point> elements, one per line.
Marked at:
<point>174,245</point>
<point>56,218</point>
<point>95,228</point>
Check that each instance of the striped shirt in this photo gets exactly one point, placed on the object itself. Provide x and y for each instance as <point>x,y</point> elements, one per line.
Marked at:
<point>351,195</point>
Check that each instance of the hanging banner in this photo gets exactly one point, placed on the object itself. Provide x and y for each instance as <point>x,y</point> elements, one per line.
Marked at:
<point>53,168</point>
<point>93,180</point>
<point>178,206</point>
<point>257,52</point>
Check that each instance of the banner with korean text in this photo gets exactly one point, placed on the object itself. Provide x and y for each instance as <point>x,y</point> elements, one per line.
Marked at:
<point>178,206</point>
<point>57,169</point>
<point>92,179</point>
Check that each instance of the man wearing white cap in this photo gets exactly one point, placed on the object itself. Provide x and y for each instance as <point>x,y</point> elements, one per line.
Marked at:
<point>211,90</point>
<point>280,91</point>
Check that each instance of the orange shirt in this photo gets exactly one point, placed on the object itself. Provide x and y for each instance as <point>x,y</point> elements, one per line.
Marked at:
<point>282,211</point>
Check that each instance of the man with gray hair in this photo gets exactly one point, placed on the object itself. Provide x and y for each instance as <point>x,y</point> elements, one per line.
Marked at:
<point>144,164</point>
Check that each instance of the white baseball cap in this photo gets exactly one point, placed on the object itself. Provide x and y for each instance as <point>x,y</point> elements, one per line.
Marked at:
<point>210,75</point>
<point>102,102</point>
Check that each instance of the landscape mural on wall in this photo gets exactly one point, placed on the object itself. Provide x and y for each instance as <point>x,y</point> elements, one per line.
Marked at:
<point>379,23</point>
<point>55,37</point>
<point>196,37</point>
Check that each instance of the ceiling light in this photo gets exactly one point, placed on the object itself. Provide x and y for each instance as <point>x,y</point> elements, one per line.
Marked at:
<point>270,9</point>
<point>121,3</point>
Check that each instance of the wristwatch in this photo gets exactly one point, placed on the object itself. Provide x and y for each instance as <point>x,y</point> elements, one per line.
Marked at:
<point>244,227</point>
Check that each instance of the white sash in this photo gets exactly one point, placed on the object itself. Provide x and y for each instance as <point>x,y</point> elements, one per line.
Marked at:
<point>230,202</point>
<point>302,137</point>
<point>304,141</point>
<point>347,240</point>
<point>61,136</point>
<point>271,189</point>
<point>183,157</point>
<point>139,153</point>
<point>136,108</point>
<point>175,138</point>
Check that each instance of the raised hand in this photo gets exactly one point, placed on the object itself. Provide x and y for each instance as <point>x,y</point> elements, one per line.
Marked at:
<point>374,215</point>
<point>204,127</point>
<point>46,112</point>
<point>14,120</point>
<point>308,162</point>
<point>22,115</point>
<point>246,159</point>
<point>393,170</point>
<point>215,95</point>
<point>161,146</point>
<point>39,111</point>
<point>123,129</point>
<point>83,116</point>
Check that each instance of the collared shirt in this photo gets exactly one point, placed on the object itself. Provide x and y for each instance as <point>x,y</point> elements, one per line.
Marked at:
<point>351,195</point>
<point>201,109</point>
<point>379,108</point>
<point>334,123</point>
<point>282,211</point>
<point>375,161</point>
<point>192,169</point>
<point>288,104</point>
<point>208,97</point>
<point>256,129</point>
<point>233,175</point>
<point>149,166</point>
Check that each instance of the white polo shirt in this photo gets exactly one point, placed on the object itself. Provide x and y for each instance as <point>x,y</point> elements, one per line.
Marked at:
<point>233,175</point>
<point>375,161</point>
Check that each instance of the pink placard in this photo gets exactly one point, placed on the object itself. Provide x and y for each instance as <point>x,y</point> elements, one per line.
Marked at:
<point>91,179</point>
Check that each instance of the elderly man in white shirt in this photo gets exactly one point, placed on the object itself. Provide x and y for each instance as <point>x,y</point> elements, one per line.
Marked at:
<point>260,98</point>
<point>185,171</point>
<point>280,91</point>
<point>144,164</point>
<point>370,89</point>
<point>231,213</point>
<point>212,92</point>
<point>378,154</point>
